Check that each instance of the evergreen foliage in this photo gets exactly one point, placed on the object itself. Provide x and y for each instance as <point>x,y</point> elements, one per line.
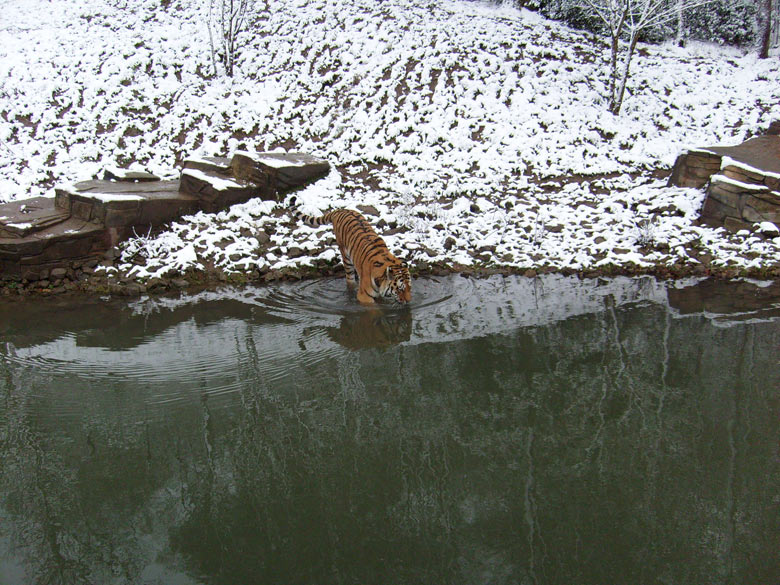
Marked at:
<point>730,22</point>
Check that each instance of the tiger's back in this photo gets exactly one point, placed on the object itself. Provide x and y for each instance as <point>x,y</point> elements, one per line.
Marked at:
<point>368,263</point>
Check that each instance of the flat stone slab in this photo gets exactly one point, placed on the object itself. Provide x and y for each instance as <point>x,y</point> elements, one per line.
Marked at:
<point>742,181</point>
<point>123,205</point>
<point>738,205</point>
<point>215,191</point>
<point>21,218</point>
<point>756,159</point>
<point>215,164</point>
<point>761,153</point>
<point>125,175</point>
<point>35,254</point>
<point>278,171</point>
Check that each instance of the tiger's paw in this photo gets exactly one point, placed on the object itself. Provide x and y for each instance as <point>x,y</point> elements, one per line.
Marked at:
<point>365,299</point>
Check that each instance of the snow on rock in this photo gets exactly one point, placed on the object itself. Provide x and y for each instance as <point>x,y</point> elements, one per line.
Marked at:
<point>477,131</point>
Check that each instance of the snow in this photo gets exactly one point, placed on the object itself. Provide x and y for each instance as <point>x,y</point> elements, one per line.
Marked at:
<point>276,163</point>
<point>768,227</point>
<point>727,161</point>
<point>219,183</point>
<point>472,123</point>
<point>741,184</point>
<point>108,197</point>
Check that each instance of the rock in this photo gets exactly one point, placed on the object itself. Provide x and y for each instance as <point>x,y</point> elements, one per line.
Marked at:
<point>449,243</point>
<point>155,283</point>
<point>262,237</point>
<point>116,174</point>
<point>768,229</point>
<point>474,208</point>
<point>295,252</point>
<point>133,290</point>
<point>58,273</point>
<point>530,273</point>
<point>214,191</point>
<point>274,172</point>
<point>179,283</point>
<point>368,210</point>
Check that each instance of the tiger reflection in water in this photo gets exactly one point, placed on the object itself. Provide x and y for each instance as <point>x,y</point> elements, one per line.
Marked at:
<point>371,328</point>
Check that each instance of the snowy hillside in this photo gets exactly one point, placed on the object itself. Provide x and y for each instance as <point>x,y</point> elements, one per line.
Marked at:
<point>478,132</point>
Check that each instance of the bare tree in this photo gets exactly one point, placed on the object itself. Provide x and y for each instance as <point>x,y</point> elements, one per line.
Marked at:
<point>765,27</point>
<point>227,21</point>
<point>624,21</point>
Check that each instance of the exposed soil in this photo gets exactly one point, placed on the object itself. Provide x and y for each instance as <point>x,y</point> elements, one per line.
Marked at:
<point>85,281</point>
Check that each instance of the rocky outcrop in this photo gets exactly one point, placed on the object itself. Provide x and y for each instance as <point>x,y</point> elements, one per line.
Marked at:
<point>742,182</point>
<point>84,220</point>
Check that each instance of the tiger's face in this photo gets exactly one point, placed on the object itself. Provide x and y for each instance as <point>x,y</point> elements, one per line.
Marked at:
<point>395,281</point>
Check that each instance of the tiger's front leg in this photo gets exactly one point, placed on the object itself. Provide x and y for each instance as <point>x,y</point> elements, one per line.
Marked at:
<point>365,292</point>
<point>349,270</point>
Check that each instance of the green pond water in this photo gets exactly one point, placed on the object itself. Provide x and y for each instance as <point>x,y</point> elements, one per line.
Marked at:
<point>496,431</point>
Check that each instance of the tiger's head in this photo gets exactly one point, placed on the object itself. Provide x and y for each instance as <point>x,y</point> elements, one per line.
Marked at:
<point>393,280</point>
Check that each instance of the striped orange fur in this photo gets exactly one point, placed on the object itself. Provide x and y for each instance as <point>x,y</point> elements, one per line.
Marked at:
<point>368,263</point>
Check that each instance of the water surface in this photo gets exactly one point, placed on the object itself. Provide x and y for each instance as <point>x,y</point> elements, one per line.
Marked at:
<point>505,430</point>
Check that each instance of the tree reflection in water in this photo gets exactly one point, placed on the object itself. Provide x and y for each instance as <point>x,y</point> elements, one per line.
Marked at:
<point>624,446</point>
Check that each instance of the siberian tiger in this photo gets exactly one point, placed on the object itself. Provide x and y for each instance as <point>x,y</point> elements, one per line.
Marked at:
<point>365,256</point>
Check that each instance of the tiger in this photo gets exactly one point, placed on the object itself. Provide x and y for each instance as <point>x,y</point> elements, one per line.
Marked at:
<point>368,264</point>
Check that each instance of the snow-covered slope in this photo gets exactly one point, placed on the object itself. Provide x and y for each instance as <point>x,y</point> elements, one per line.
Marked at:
<point>479,130</point>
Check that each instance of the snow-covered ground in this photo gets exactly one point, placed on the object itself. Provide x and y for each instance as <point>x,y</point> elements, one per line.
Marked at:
<point>478,132</point>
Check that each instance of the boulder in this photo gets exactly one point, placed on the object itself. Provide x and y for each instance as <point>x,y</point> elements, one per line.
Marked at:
<point>743,181</point>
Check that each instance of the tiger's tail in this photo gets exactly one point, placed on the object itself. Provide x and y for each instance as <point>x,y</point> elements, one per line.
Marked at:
<point>310,220</point>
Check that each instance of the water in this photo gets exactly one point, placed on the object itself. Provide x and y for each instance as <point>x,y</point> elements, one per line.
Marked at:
<point>496,431</point>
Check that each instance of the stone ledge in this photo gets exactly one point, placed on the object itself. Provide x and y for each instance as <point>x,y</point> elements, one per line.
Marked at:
<point>85,219</point>
<point>278,171</point>
<point>738,205</point>
<point>215,191</point>
<point>116,205</point>
<point>19,219</point>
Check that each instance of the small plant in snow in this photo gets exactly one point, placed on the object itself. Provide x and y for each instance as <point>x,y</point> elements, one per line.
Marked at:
<point>539,230</point>
<point>145,246</point>
<point>646,233</point>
